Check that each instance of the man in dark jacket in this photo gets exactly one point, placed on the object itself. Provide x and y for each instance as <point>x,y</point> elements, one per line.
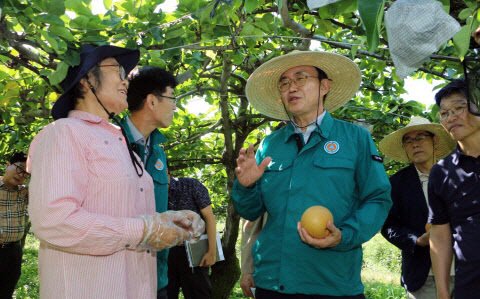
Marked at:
<point>420,143</point>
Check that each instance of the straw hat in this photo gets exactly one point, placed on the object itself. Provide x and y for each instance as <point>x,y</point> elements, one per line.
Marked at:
<point>391,146</point>
<point>263,94</point>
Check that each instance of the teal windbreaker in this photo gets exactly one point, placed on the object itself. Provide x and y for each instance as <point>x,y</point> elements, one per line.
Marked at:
<point>339,168</point>
<point>156,165</point>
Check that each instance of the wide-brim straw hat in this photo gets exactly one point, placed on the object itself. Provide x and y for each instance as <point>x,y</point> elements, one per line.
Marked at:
<point>392,146</point>
<point>263,94</point>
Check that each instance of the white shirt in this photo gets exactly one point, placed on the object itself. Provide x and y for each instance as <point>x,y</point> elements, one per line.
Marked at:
<point>310,128</point>
<point>138,137</point>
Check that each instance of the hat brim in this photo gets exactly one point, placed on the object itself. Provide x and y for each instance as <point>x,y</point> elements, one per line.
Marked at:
<point>263,94</point>
<point>392,146</point>
<point>128,58</point>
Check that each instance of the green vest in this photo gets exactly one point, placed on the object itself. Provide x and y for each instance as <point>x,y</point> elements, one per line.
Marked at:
<point>156,165</point>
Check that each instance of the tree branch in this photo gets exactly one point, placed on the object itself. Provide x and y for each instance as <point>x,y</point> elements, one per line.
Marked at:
<point>195,136</point>
<point>296,27</point>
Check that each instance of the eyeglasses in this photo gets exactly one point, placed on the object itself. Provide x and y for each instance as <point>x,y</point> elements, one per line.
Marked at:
<point>456,110</point>
<point>299,81</point>
<point>418,138</point>
<point>471,69</point>
<point>22,171</point>
<point>121,70</point>
<point>174,99</point>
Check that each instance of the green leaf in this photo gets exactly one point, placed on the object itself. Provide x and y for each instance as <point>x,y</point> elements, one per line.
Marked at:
<point>11,91</point>
<point>369,11</point>
<point>471,3</point>
<point>78,7</point>
<point>250,5</point>
<point>156,60</point>
<point>51,41</point>
<point>49,19</point>
<point>175,33</point>
<point>446,5</point>
<point>461,41</point>
<point>260,24</point>
<point>43,44</point>
<point>353,52</point>
<point>343,7</point>
<point>107,4</point>
<point>80,22</point>
<point>465,13</point>
<point>60,74</point>
<point>249,29</point>
<point>71,57</point>
<point>62,32</point>
<point>56,7</point>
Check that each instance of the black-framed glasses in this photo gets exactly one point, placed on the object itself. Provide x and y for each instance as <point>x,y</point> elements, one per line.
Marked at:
<point>174,99</point>
<point>298,79</point>
<point>456,110</point>
<point>471,69</point>
<point>22,171</point>
<point>121,70</point>
<point>418,138</point>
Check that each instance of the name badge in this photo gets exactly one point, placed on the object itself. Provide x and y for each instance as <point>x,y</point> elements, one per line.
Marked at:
<point>331,147</point>
<point>159,164</point>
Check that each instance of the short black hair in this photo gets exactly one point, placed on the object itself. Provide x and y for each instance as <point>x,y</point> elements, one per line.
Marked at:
<point>456,86</point>
<point>322,75</point>
<point>148,80</point>
<point>18,157</point>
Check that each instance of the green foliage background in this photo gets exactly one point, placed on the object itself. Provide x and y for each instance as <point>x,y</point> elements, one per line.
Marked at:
<point>212,46</point>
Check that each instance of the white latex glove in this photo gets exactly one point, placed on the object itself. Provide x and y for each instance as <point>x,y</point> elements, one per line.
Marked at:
<point>169,229</point>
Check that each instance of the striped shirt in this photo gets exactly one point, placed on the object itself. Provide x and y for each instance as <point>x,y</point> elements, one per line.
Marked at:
<point>85,203</point>
<point>13,209</point>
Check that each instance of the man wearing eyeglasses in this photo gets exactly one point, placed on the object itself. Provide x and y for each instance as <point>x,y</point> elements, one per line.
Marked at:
<point>13,211</point>
<point>419,143</point>
<point>454,193</point>
<point>315,160</point>
<point>152,104</point>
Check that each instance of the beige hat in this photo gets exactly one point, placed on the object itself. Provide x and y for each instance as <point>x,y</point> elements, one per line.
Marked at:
<point>391,146</point>
<point>263,94</point>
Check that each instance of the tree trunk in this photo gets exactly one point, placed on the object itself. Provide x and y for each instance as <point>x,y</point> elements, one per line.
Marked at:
<point>225,274</point>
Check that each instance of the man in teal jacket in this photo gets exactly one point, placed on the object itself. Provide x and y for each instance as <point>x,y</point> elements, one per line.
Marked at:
<point>152,105</point>
<point>315,160</point>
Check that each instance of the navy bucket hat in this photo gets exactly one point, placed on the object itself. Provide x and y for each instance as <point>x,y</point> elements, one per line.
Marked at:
<point>89,57</point>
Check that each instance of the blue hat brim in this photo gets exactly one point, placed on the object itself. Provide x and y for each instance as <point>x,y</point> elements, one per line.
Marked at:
<point>128,58</point>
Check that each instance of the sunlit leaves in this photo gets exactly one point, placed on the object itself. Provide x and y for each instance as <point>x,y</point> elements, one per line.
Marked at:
<point>371,12</point>
<point>10,91</point>
<point>461,40</point>
<point>107,4</point>
<point>156,59</point>
<point>61,32</point>
<point>59,74</point>
<point>49,19</point>
<point>71,57</point>
<point>79,7</point>
<point>56,7</point>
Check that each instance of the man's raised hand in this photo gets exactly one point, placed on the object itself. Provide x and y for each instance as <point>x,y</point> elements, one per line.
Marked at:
<point>248,172</point>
